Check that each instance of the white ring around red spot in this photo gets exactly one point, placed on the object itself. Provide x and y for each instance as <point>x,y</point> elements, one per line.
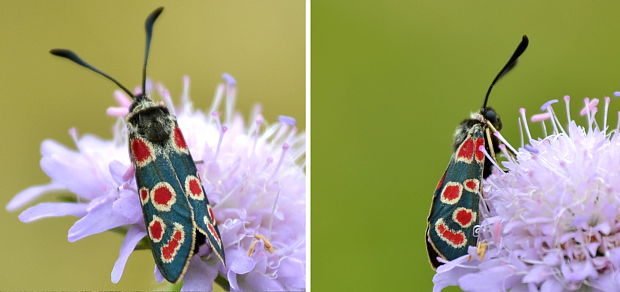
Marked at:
<point>178,141</point>
<point>451,193</point>
<point>464,217</point>
<point>143,193</point>
<point>193,188</point>
<point>170,249</point>
<point>157,229</point>
<point>163,196</point>
<point>142,151</point>
<point>472,185</point>
<point>455,239</point>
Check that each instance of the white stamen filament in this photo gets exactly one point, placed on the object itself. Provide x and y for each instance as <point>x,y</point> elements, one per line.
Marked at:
<point>481,149</point>
<point>567,102</point>
<point>524,119</point>
<point>219,142</point>
<point>285,148</point>
<point>607,101</point>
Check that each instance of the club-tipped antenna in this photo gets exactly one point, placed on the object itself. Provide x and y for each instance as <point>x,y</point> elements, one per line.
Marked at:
<point>148,25</point>
<point>75,58</point>
<point>512,62</point>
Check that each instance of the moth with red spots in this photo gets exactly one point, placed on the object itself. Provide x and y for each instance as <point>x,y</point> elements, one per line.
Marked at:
<point>455,208</point>
<point>176,210</point>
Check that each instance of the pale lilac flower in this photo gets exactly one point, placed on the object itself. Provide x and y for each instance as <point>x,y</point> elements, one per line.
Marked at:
<point>553,218</point>
<point>253,174</point>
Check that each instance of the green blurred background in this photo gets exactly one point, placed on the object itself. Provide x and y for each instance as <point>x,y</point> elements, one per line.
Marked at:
<point>261,43</point>
<point>390,82</point>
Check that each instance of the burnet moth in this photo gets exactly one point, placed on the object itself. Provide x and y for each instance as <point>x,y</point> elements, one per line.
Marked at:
<point>454,211</point>
<point>176,210</point>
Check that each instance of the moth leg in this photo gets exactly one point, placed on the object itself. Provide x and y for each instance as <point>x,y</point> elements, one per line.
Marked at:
<point>199,161</point>
<point>491,146</point>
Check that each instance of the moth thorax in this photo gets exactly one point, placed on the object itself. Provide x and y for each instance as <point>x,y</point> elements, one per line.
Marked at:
<point>152,123</point>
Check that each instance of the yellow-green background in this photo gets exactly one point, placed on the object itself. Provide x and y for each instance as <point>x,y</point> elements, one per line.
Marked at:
<point>261,43</point>
<point>391,80</point>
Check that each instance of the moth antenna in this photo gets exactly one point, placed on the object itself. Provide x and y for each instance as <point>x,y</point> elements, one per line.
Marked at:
<point>148,25</point>
<point>512,62</point>
<point>75,58</point>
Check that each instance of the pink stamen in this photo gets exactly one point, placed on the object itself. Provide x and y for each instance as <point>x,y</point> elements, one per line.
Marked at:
<point>122,99</point>
<point>547,104</point>
<point>540,117</point>
<point>117,111</point>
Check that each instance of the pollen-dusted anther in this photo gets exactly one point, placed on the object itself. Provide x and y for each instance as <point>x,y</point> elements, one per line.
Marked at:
<point>265,241</point>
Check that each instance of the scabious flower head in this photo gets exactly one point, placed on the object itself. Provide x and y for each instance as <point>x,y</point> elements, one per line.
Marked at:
<point>552,219</point>
<point>253,175</point>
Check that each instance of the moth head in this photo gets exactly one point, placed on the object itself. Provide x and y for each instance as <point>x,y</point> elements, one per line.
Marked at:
<point>489,114</point>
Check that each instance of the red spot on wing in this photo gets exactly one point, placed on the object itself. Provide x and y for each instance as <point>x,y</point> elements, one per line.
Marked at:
<point>464,217</point>
<point>169,250</point>
<point>451,193</point>
<point>455,239</point>
<point>472,185</point>
<point>465,153</point>
<point>193,188</point>
<point>179,141</point>
<point>479,154</point>
<point>211,216</point>
<point>144,195</point>
<point>163,196</point>
<point>142,151</point>
<point>214,233</point>
<point>156,229</point>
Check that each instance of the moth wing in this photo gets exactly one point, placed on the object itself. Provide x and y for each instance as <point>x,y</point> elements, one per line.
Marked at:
<point>454,210</point>
<point>194,191</point>
<point>167,214</point>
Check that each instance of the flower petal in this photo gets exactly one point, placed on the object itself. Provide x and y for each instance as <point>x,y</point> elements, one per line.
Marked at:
<point>45,210</point>
<point>259,282</point>
<point>134,235</point>
<point>28,195</point>
<point>199,276</point>
<point>128,206</point>
<point>238,261</point>
<point>62,165</point>
<point>96,221</point>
